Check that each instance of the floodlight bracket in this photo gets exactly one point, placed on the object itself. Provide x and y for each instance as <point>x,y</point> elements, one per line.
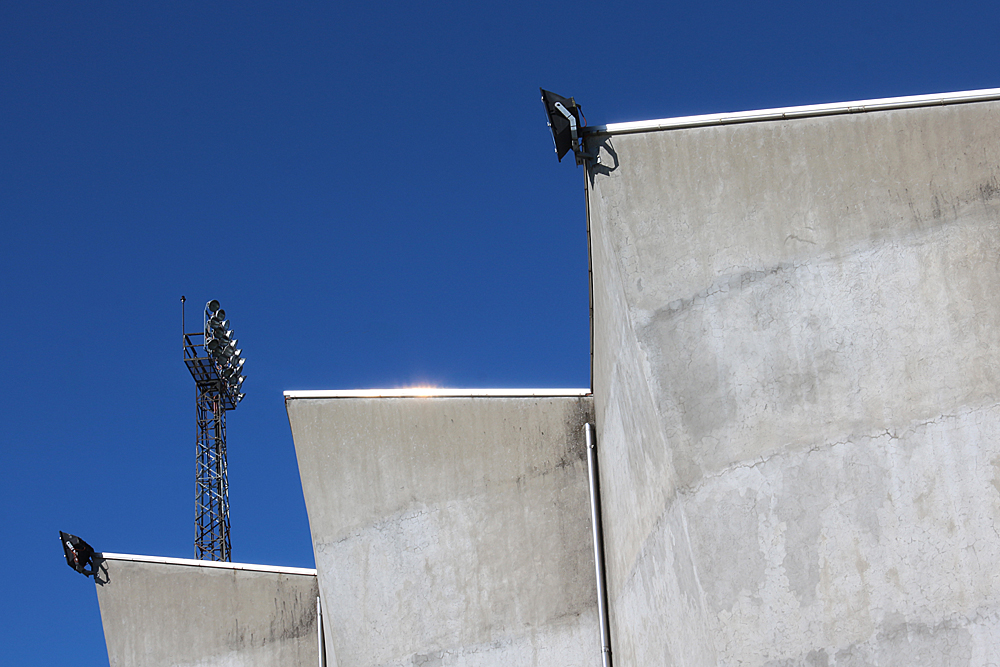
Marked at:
<point>581,155</point>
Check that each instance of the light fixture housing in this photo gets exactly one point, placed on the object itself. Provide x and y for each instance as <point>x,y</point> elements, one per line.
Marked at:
<point>78,553</point>
<point>564,120</point>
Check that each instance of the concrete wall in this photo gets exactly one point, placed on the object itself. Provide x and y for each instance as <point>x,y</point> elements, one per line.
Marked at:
<point>187,613</point>
<point>450,530</point>
<point>797,354</point>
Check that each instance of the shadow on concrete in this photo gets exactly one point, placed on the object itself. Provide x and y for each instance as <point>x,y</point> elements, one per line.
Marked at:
<point>605,148</point>
<point>100,570</point>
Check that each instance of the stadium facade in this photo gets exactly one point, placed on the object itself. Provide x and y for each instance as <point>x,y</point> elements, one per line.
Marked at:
<point>796,357</point>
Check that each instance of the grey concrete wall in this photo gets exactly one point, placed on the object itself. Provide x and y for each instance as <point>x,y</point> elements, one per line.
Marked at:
<point>168,615</point>
<point>450,531</point>
<point>797,354</point>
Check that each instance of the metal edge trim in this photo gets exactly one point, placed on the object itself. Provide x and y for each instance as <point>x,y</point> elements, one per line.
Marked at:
<point>190,562</point>
<point>807,111</point>
<point>437,392</point>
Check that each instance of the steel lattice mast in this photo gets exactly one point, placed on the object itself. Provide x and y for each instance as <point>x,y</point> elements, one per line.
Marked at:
<point>216,366</point>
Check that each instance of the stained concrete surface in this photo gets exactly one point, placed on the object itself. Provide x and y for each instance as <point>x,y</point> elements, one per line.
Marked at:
<point>450,530</point>
<point>797,348</point>
<point>187,615</point>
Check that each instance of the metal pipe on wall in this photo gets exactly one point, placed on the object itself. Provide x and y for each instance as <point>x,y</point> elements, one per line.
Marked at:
<point>319,632</point>
<point>595,520</point>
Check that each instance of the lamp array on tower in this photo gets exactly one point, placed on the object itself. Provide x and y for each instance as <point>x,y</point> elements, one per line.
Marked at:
<point>221,346</point>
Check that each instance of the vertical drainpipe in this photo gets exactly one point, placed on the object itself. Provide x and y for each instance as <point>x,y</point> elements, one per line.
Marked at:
<point>595,520</point>
<point>319,632</point>
<point>590,267</point>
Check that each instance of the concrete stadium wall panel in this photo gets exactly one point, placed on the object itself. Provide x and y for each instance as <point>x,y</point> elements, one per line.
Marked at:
<point>168,615</point>
<point>656,606</point>
<point>797,355</point>
<point>451,531</point>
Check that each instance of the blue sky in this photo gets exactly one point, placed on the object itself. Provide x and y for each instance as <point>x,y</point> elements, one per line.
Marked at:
<point>370,191</point>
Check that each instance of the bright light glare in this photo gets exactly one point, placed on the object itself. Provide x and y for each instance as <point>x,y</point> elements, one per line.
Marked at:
<point>419,390</point>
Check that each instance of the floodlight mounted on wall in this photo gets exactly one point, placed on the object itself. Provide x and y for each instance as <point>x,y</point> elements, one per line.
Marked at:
<point>78,553</point>
<point>564,120</point>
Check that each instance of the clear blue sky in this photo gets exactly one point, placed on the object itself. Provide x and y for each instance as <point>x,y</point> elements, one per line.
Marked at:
<point>370,190</point>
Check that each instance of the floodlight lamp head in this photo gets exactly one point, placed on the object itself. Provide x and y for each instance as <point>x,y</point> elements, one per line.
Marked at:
<point>78,553</point>
<point>564,120</point>
<point>212,307</point>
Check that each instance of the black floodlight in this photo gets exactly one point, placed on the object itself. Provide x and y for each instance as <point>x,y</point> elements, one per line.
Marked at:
<point>564,121</point>
<point>79,554</point>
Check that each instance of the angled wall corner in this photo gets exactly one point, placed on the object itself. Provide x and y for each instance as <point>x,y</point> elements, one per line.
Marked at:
<point>797,356</point>
<point>169,612</point>
<point>451,529</point>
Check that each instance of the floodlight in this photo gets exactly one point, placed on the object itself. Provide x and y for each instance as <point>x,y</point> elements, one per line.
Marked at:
<point>213,306</point>
<point>564,121</point>
<point>78,553</point>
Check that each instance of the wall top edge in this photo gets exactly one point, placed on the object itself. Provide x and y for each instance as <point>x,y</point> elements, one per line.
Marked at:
<point>808,111</point>
<point>190,562</point>
<point>438,392</point>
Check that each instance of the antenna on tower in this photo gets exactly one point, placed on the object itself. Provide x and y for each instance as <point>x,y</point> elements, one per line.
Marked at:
<point>217,368</point>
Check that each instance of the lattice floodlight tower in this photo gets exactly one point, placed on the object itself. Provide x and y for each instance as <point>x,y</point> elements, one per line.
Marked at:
<point>217,368</point>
